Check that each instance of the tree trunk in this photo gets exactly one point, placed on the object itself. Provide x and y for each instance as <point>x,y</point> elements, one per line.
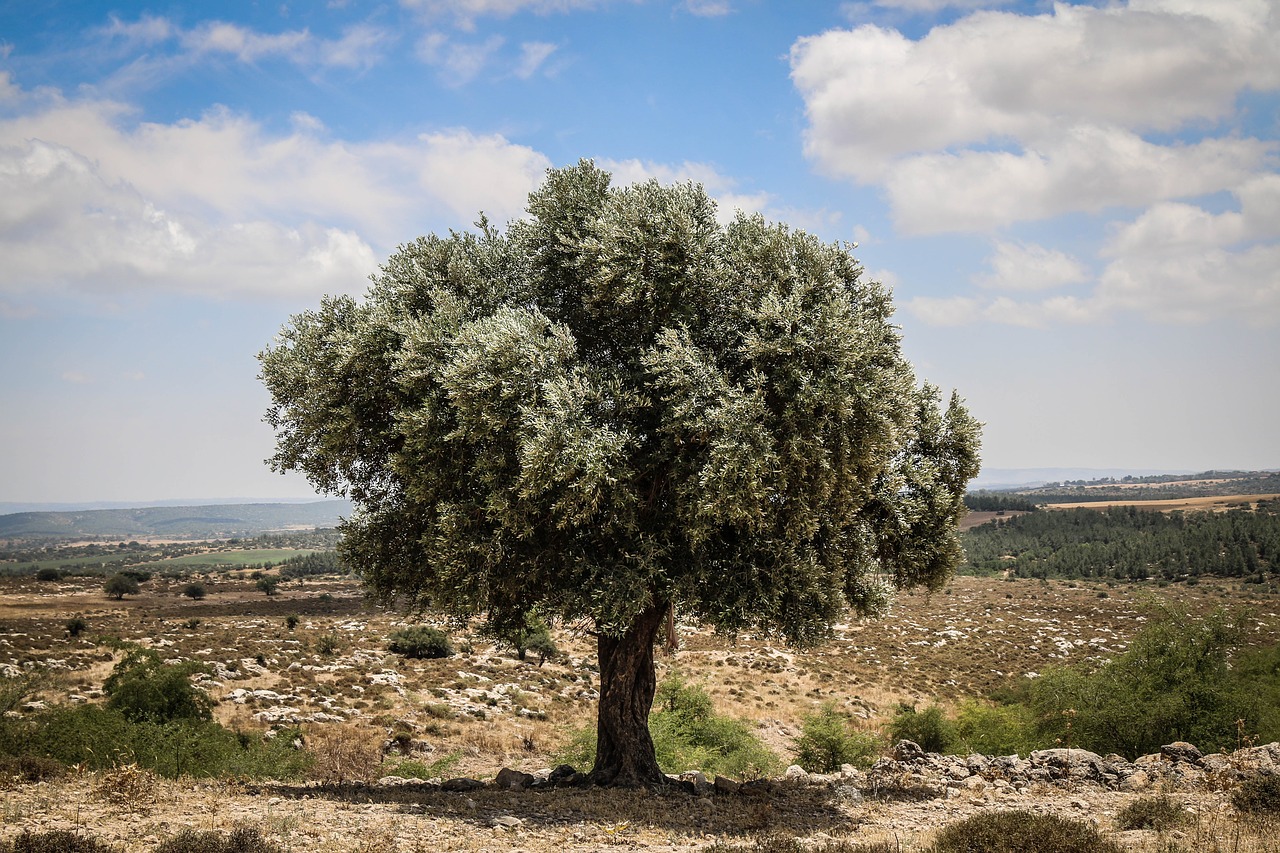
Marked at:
<point>624,750</point>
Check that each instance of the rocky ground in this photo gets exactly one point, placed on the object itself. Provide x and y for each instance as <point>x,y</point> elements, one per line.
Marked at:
<point>904,798</point>
<point>315,656</point>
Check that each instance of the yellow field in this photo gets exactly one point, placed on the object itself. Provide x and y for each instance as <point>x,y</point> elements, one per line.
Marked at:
<point>1218,503</point>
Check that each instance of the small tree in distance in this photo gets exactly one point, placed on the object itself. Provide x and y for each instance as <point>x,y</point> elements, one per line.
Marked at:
<point>615,407</point>
<point>119,585</point>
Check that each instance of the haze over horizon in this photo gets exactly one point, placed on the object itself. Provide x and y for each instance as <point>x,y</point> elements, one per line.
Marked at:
<point>1077,204</point>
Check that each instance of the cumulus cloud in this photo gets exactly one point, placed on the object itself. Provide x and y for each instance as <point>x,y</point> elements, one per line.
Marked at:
<point>1023,267</point>
<point>1180,263</point>
<point>359,46</point>
<point>1173,263</point>
<point>221,207</point>
<point>1048,110</point>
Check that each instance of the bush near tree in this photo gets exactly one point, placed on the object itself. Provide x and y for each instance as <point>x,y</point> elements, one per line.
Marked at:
<point>618,406</point>
<point>421,641</point>
<point>827,742</point>
<point>119,585</point>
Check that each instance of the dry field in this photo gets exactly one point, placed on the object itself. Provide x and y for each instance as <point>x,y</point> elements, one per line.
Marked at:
<point>1219,503</point>
<point>481,710</point>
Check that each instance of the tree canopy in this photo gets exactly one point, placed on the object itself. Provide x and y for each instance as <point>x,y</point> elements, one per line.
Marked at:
<point>616,405</point>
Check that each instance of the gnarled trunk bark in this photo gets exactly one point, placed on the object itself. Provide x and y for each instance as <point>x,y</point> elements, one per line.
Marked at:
<point>624,749</point>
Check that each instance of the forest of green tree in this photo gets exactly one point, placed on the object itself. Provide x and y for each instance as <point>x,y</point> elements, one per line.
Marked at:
<point>1128,543</point>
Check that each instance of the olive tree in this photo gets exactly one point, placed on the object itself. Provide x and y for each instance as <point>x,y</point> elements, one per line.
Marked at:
<point>619,405</point>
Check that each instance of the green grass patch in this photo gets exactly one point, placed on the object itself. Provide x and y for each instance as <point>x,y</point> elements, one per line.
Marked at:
<point>234,559</point>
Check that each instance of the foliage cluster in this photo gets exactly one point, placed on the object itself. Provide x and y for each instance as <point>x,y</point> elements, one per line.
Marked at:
<point>310,565</point>
<point>242,840</point>
<point>1258,795</point>
<point>984,500</point>
<point>421,641</point>
<point>827,741</point>
<point>119,585</point>
<point>1130,543</point>
<point>145,689</point>
<point>1019,832</point>
<point>1159,812</point>
<point>1182,678</point>
<point>154,718</point>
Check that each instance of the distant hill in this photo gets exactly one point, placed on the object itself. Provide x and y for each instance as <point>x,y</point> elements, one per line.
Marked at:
<point>176,522</point>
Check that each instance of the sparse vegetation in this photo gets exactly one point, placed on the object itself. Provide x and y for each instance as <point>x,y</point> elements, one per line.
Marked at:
<point>1159,812</point>
<point>1258,795</point>
<point>827,741</point>
<point>119,585</point>
<point>1020,832</point>
<point>421,641</point>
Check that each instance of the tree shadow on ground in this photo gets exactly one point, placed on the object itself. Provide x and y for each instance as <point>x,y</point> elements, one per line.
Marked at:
<point>794,809</point>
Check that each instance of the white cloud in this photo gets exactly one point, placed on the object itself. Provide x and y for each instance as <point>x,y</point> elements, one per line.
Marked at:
<point>1024,267</point>
<point>243,43</point>
<point>459,62</point>
<point>219,206</point>
<point>708,8</point>
<point>533,55</point>
<point>1088,169</point>
<point>1180,263</point>
<point>465,12</point>
<point>359,47</point>
<point>1001,117</point>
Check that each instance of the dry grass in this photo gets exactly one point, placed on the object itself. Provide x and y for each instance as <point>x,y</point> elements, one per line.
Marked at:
<point>1220,503</point>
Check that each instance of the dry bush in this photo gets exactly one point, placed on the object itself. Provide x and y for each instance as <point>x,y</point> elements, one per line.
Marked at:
<point>345,753</point>
<point>130,788</point>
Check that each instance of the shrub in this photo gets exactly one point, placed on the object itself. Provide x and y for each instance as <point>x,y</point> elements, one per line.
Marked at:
<point>119,585</point>
<point>1158,812</point>
<point>129,788</point>
<point>48,573</point>
<point>687,735</point>
<point>75,626</point>
<point>1258,795</point>
<point>195,591</point>
<point>421,641</point>
<point>143,688</point>
<point>827,741</point>
<point>268,585</point>
<point>1018,832</point>
<point>528,634</point>
<point>995,730</point>
<point>56,841</point>
<point>100,738</point>
<point>929,728</point>
<point>31,768</point>
<point>1174,682</point>
<point>327,644</point>
<point>291,621</point>
<point>242,840</point>
<point>140,575</point>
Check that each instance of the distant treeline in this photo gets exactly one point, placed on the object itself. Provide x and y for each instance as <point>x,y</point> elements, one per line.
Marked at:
<point>1162,487</point>
<point>988,501</point>
<point>1131,543</point>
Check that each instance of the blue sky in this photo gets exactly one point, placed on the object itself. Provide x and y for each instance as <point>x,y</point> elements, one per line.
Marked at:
<point>1077,205</point>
